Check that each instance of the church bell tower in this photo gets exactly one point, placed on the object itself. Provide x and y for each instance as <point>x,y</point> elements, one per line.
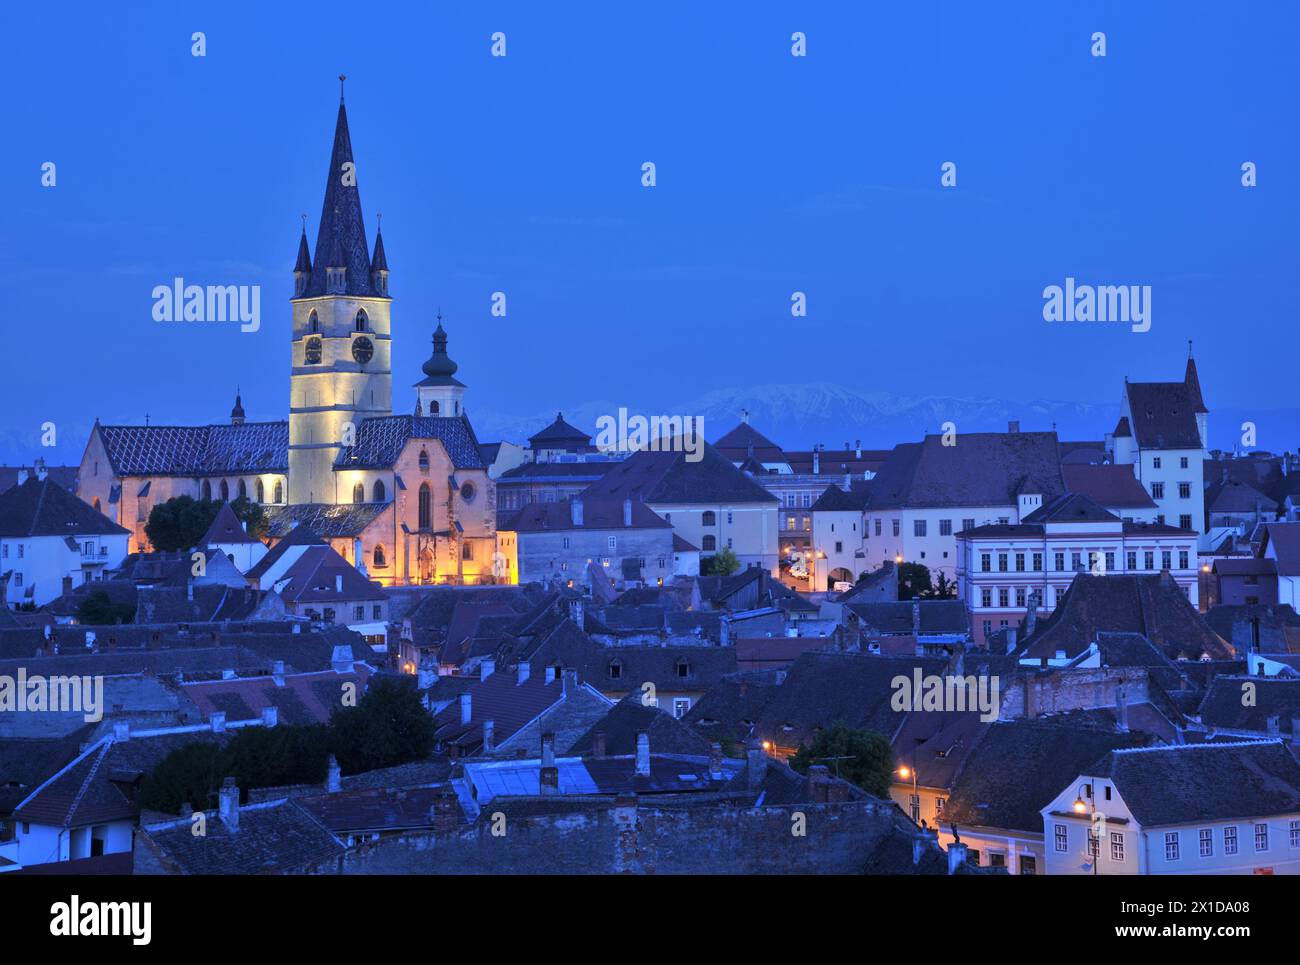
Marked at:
<point>342,335</point>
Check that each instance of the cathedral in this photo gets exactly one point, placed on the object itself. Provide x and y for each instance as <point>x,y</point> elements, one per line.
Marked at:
<point>405,498</point>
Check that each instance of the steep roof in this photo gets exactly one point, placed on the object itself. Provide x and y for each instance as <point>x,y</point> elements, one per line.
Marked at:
<point>41,507</point>
<point>225,529</point>
<point>981,469</point>
<point>329,520</point>
<point>1204,782</point>
<point>597,514</point>
<point>78,795</point>
<point>275,837</point>
<point>251,447</point>
<point>1237,497</point>
<point>1223,706</point>
<point>837,500</point>
<point>745,441</point>
<point>1109,485</point>
<point>1164,415</point>
<point>1284,538</point>
<point>309,698</point>
<point>296,536</point>
<point>557,434</point>
<point>314,578</point>
<point>669,477</point>
<point>1071,508</point>
<point>627,719</point>
<point>380,441</point>
<point>341,238</point>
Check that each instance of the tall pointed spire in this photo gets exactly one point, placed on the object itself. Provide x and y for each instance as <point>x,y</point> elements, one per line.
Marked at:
<point>341,239</point>
<point>1193,382</point>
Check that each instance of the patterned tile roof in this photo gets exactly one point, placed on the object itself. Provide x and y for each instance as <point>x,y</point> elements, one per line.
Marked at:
<point>344,521</point>
<point>380,441</point>
<point>197,450</point>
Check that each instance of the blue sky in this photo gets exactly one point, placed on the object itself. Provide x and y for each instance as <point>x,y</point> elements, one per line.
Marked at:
<point>775,174</point>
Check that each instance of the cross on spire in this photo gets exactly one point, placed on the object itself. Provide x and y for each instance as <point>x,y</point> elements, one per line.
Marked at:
<point>342,79</point>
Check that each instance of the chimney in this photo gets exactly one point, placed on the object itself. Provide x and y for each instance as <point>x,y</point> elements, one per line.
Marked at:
<point>549,776</point>
<point>358,557</point>
<point>716,773</point>
<point>1013,426</point>
<point>627,512</point>
<point>857,448</point>
<point>22,476</point>
<point>228,804</point>
<point>642,754</point>
<point>445,813</point>
<point>489,736</point>
<point>818,779</point>
<point>1011,639</point>
<point>277,672</point>
<point>486,669</point>
<point>465,714</point>
<point>548,749</point>
<point>598,744</point>
<point>575,508</point>
<point>916,617</point>
<point>41,471</point>
<point>817,459</point>
<point>724,630</point>
<point>570,683</point>
<point>218,721</point>
<point>1274,726</point>
<point>270,716</point>
<point>756,764</point>
<point>524,669</point>
<point>122,730</point>
<point>189,589</point>
<point>333,776</point>
<point>956,856</point>
<point>1121,709</point>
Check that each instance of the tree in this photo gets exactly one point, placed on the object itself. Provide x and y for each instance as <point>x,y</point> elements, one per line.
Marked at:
<point>251,515</point>
<point>190,775</point>
<point>388,726</point>
<point>180,523</point>
<point>913,581</point>
<point>98,609</point>
<point>721,563</point>
<point>944,589</point>
<point>862,757</point>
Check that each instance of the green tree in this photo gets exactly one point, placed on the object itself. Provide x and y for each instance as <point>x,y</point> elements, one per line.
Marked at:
<point>252,515</point>
<point>180,522</point>
<point>190,774</point>
<point>944,589</point>
<point>721,563</point>
<point>913,581</point>
<point>98,609</point>
<point>862,757</point>
<point>388,726</point>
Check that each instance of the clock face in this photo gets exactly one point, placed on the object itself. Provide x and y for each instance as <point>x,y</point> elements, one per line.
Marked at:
<point>362,349</point>
<point>311,352</point>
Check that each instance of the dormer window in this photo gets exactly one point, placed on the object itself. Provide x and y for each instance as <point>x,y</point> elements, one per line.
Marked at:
<point>615,669</point>
<point>683,669</point>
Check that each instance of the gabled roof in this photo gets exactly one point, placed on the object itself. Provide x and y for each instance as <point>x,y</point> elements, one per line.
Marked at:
<point>597,514</point>
<point>225,529</point>
<point>1204,782</point>
<point>669,477</point>
<point>744,441</point>
<point>78,795</point>
<point>297,536</point>
<point>41,507</point>
<point>1284,538</point>
<point>627,719</point>
<point>380,441</point>
<point>1237,497</point>
<point>558,434</point>
<point>1071,508</point>
<point>314,578</point>
<point>252,447</point>
<point>275,837</point>
<point>981,469</point>
<point>1223,707</point>
<point>1109,485</point>
<point>309,698</point>
<point>501,699</point>
<point>837,500</point>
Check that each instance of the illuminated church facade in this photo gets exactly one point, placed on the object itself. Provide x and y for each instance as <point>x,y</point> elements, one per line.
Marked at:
<point>407,498</point>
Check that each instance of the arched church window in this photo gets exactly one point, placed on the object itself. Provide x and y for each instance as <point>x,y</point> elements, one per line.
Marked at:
<point>207,489</point>
<point>378,556</point>
<point>424,460</point>
<point>261,492</point>
<point>313,323</point>
<point>467,492</point>
<point>225,491</point>
<point>425,506</point>
<point>380,493</point>
<point>243,489</point>
<point>363,323</point>
<point>359,493</point>
<point>279,491</point>
<point>433,408</point>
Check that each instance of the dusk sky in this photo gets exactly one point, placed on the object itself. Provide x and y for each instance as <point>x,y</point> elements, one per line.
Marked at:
<point>776,174</point>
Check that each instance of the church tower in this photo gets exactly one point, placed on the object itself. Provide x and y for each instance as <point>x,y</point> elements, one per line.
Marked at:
<point>439,393</point>
<point>342,335</point>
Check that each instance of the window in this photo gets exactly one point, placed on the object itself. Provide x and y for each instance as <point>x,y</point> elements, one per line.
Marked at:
<point>709,544</point>
<point>1020,562</point>
<point>805,500</point>
<point>1295,834</point>
<point>1028,865</point>
<point>1207,843</point>
<point>968,523</point>
<point>789,522</point>
<point>258,488</point>
<point>1166,558</point>
<point>380,492</point>
<point>360,612</point>
<point>1182,462</point>
<point>1002,562</point>
<point>1020,596</point>
<point>362,323</point>
<point>1155,463</point>
<point>997,859</point>
<point>938,807</point>
<point>680,706</point>
<point>1157,490</point>
<point>710,518</point>
<point>972,857</point>
<point>1094,845</point>
<point>986,562</point>
<point>839,546</point>
<point>612,542</point>
<point>878,528</point>
<point>1062,837</point>
<point>1117,846</point>
<point>986,597</point>
<point>683,669</point>
<point>424,460</point>
<point>1261,837</point>
<point>1131,560</point>
<point>1230,839</point>
<point>1058,561</point>
<point>615,670</point>
<point>468,492</point>
<point>1184,521</point>
<point>279,492</point>
<point>1076,562</point>
<point>243,489</point>
<point>466,551</point>
<point>377,557</point>
<point>359,493</point>
<point>225,491</point>
<point>1182,559</point>
<point>1038,562</point>
<point>1149,560</point>
<point>945,527</point>
<point>313,322</point>
<point>1184,490</point>
<point>915,808</point>
<point>1171,845</point>
<point>424,505</point>
<point>918,527</point>
<point>988,628</point>
<point>897,526</point>
<point>1003,597</point>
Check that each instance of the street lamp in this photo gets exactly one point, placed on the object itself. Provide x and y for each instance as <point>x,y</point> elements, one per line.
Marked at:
<point>905,772</point>
<point>1089,808</point>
